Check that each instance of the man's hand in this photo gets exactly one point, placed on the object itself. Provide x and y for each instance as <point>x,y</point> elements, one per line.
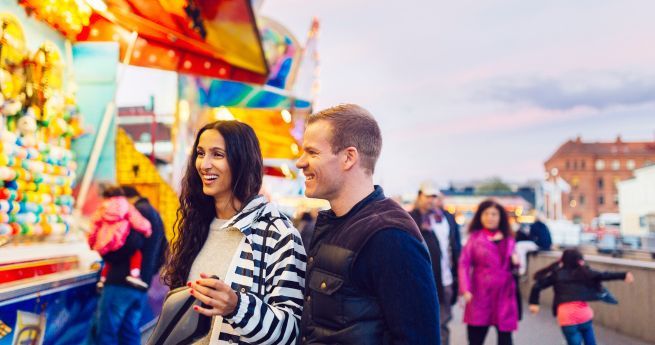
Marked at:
<point>534,309</point>
<point>213,292</point>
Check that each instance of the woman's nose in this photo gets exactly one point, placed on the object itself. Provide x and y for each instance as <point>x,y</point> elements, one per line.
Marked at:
<point>205,163</point>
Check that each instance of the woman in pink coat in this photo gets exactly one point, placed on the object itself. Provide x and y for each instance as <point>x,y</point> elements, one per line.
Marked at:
<point>485,275</point>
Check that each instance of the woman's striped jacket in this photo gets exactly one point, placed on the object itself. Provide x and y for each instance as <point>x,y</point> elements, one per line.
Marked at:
<point>270,295</point>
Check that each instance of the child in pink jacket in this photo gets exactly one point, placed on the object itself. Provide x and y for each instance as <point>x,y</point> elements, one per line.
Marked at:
<point>112,223</point>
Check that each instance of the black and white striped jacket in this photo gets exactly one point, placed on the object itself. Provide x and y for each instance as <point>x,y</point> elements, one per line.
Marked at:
<point>270,295</point>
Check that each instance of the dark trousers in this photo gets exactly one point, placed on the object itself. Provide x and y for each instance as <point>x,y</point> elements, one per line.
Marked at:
<point>477,334</point>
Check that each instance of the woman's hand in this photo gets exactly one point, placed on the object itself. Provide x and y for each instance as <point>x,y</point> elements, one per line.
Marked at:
<point>629,278</point>
<point>534,308</point>
<point>213,292</point>
<point>466,298</point>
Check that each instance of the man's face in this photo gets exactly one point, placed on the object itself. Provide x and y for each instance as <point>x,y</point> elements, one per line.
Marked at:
<point>438,201</point>
<point>425,202</point>
<point>322,168</point>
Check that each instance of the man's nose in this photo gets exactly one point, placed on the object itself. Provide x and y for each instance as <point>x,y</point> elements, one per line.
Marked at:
<point>301,162</point>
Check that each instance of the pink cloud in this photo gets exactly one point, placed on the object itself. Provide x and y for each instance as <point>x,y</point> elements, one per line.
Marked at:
<point>494,122</point>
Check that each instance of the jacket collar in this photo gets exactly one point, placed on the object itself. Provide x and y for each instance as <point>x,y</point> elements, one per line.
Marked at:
<point>376,195</point>
<point>245,219</point>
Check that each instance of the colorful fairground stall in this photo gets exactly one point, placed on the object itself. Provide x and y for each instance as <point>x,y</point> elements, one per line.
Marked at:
<point>60,67</point>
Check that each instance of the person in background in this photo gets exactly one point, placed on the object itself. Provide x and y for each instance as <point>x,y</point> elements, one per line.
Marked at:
<point>306,224</point>
<point>154,248</point>
<point>121,302</point>
<point>574,284</point>
<point>540,234</point>
<point>441,235</point>
<point>111,224</point>
<point>487,284</point>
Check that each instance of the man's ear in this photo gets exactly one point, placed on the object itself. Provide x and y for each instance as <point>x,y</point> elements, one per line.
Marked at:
<point>350,157</point>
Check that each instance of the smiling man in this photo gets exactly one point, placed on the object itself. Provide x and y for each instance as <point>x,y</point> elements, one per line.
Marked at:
<point>369,278</point>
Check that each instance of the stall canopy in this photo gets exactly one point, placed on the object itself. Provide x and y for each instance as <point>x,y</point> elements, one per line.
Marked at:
<point>214,38</point>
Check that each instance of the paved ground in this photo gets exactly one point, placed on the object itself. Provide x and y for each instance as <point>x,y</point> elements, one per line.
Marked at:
<point>540,329</point>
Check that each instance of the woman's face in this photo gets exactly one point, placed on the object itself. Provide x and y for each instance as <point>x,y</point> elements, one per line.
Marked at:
<point>490,218</point>
<point>212,165</point>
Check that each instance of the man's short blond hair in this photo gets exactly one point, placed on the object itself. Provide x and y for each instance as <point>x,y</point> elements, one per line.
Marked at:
<point>353,126</point>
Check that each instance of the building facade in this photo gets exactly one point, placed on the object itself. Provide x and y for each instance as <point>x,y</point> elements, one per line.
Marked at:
<point>637,202</point>
<point>592,171</point>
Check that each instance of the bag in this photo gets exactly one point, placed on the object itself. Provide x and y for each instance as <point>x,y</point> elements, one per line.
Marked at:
<point>178,323</point>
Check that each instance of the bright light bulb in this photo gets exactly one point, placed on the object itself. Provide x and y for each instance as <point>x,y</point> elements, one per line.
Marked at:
<point>286,115</point>
<point>222,113</point>
<point>98,5</point>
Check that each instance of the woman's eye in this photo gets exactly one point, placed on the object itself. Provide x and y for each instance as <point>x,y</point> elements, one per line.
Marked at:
<point>200,154</point>
<point>218,155</point>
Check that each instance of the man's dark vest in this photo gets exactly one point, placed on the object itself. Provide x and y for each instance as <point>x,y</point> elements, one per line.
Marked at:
<point>335,310</point>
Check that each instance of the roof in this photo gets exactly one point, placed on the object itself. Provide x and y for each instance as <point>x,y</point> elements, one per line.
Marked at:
<point>617,148</point>
<point>215,38</point>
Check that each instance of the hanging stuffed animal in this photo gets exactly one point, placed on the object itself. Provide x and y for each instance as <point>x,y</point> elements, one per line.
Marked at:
<point>27,127</point>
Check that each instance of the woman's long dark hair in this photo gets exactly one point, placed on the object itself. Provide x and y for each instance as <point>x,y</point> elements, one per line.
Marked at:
<point>571,260</point>
<point>503,224</point>
<point>197,210</point>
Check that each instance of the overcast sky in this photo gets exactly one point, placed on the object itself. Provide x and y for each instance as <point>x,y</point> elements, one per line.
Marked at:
<point>472,89</point>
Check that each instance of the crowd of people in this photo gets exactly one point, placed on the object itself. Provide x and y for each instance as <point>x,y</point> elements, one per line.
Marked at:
<point>364,271</point>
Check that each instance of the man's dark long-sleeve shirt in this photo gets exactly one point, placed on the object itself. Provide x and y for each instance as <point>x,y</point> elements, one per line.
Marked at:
<point>155,246</point>
<point>403,284</point>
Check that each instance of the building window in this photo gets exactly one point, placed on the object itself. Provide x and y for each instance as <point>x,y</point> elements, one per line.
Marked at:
<point>582,164</point>
<point>630,164</point>
<point>601,200</point>
<point>616,165</point>
<point>575,165</point>
<point>575,181</point>
<point>600,164</point>
<point>581,199</point>
<point>568,165</point>
<point>577,219</point>
<point>616,199</point>
<point>145,137</point>
<point>601,183</point>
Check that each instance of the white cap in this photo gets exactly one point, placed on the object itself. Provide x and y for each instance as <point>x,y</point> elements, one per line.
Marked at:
<point>427,188</point>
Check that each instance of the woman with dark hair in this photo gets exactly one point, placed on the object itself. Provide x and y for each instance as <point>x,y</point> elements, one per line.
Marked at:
<point>225,229</point>
<point>485,274</point>
<point>575,284</point>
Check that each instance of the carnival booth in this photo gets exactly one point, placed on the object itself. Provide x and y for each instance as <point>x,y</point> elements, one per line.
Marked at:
<point>45,265</point>
<point>59,72</point>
